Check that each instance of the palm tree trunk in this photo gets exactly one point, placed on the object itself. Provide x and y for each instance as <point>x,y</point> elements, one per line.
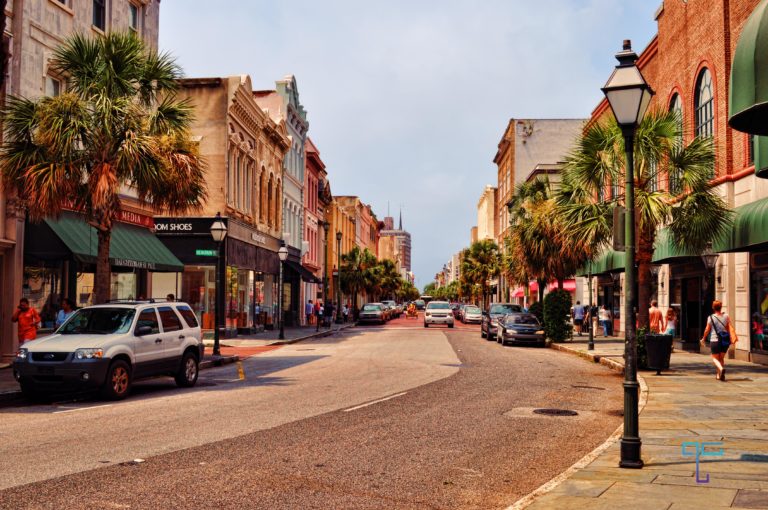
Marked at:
<point>542,284</point>
<point>560,283</point>
<point>103,277</point>
<point>644,260</point>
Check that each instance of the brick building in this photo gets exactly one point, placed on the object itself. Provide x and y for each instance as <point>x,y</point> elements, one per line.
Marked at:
<point>688,65</point>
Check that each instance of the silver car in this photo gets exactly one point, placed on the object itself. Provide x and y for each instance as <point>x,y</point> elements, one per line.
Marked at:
<point>438,312</point>
<point>472,315</point>
<point>372,312</point>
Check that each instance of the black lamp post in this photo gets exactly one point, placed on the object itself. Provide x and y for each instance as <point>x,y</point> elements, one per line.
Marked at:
<point>339,318</point>
<point>591,346</point>
<point>710,260</point>
<point>629,95</point>
<point>218,233</point>
<point>282,253</point>
<point>326,228</point>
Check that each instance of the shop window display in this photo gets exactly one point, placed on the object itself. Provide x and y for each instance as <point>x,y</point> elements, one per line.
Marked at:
<point>759,319</point>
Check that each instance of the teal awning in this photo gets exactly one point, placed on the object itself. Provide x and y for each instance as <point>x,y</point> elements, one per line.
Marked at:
<point>664,250</point>
<point>609,262</point>
<point>130,246</point>
<point>750,228</point>
<point>749,75</point>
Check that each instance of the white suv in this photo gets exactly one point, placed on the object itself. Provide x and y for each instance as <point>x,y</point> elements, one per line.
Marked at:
<point>109,346</point>
<point>438,312</point>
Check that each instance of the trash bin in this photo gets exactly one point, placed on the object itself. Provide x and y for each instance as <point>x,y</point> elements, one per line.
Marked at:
<point>659,350</point>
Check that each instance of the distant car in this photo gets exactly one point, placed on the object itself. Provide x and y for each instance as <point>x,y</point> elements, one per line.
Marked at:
<point>520,328</point>
<point>372,312</point>
<point>438,312</point>
<point>394,308</point>
<point>471,315</point>
<point>107,347</point>
<point>496,310</point>
<point>420,304</point>
<point>456,309</point>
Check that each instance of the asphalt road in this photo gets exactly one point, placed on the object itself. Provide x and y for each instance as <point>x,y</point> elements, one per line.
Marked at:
<point>309,431</point>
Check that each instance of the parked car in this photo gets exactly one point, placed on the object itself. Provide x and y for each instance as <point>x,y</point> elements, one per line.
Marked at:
<point>395,309</point>
<point>372,312</point>
<point>471,315</point>
<point>496,310</point>
<point>520,328</point>
<point>438,312</point>
<point>107,347</point>
<point>456,309</point>
<point>420,304</point>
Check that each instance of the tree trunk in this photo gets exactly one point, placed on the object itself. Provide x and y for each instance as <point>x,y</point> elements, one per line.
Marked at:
<point>644,257</point>
<point>561,283</point>
<point>542,284</point>
<point>103,277</point>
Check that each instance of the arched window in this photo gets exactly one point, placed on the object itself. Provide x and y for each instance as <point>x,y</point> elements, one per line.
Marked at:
<point>705,112</point>
<point>676,105</point>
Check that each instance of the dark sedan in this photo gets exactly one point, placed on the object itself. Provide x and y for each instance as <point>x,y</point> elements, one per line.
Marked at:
<point>523,328</point>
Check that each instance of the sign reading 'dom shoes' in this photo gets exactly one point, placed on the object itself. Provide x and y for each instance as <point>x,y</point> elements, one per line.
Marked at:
<point>184,226</point>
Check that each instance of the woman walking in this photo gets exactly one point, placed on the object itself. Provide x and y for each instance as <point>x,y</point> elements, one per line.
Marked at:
<point>721,341</point>
<point>605,319</point>
<point>670,322</point>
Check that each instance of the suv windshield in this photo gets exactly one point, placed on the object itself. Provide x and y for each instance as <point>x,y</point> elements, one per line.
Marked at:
<point>102,321</point>
<point>523,319</point>
<point>438,306</point>
<point>505,309</point>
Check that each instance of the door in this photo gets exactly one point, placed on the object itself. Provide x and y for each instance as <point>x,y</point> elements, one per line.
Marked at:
<point>173,335</point>
<point>148,349</point>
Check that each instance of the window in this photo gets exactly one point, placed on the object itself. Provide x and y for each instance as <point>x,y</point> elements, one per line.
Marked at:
<point>750,150</point>
<point>705,115</point>
<point>676,105</point>
<point>99,14</point>
<point>189,316</point>
<point>170,320</point>
<point>148,317</point>
<point>133,17</point>
<point>52,86</point>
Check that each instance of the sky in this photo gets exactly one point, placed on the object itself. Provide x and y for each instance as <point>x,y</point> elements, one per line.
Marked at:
<point>407,100</point>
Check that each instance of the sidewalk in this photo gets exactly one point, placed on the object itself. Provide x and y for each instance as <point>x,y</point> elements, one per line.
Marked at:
<point>232,350</point>
<point>684,404</point>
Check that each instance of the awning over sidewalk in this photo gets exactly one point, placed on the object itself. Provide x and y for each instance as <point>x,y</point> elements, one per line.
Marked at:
<point>568,285</point>
<point>609,262</point>
<point>664,250</point>
<point>749,229</point>
<point>130,246</point>
<point>302,271</point>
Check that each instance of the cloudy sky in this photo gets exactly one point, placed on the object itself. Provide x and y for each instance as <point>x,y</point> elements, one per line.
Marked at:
<point>408,99</point>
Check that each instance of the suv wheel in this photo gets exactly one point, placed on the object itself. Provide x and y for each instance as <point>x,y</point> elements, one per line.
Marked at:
<point>426,325</point>
<point>118,383</point>
<point>189,369</point>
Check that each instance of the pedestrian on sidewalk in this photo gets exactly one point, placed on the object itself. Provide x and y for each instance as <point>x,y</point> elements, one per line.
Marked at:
<point>670,322</point>
<point>656,318</point>
<point>345,312</point>
<point>578,317</point>
<point>318,313</point>
<point>605,317</point>
<point>65,312</point>
<point>28,319</point>
<point>723,339</point>
<point>328,314</point>
<point>309,310</point>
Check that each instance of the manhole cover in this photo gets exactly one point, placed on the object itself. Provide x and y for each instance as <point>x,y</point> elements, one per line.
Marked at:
<point>555,412</point>
<point>586,387</point>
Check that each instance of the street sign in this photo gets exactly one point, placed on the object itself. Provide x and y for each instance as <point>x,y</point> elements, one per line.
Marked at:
<point>205,253</point>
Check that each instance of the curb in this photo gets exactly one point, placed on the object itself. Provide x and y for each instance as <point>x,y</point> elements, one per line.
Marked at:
<point>586,460</point>
<point>318,334</point>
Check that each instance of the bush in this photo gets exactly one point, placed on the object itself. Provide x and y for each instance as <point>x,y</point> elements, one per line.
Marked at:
<point>642,352</point>
<point>557,312</point>
<point>537,309</point>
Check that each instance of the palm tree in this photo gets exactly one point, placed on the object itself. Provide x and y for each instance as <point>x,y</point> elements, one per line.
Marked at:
<point>389,278</point>
<point>694,214</point>
<point>357,273</point>
<point>118,125</point>
<point>481,263</point>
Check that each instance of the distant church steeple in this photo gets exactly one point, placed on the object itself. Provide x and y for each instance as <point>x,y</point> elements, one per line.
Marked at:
<point>400,223</point>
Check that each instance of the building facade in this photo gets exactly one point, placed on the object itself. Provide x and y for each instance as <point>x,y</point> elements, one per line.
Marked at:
<point>244,150</point>
<point>688,64</point>
<point>34,28</point>
<point>283,104</point>
<point>486,214</point>
<point>401,241</point>
<point>315,234</point>
<point>341,240</point>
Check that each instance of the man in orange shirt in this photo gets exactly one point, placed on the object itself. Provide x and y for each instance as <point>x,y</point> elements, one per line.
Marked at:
<point>28,319</point>
<point>656,318</point>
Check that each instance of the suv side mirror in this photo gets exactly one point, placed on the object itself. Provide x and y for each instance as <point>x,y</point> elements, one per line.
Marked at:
<point>143,331</point>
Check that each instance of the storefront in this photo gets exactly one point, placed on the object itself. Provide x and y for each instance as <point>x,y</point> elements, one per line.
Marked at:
<point>293,275</point>
<point>606,272</point>
<point>60,260</point>
<point>249,272</point>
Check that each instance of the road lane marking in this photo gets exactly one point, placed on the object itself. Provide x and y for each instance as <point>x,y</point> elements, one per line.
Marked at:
<point>375,402</point>
<point>240,371</point>
<point>81,409</point>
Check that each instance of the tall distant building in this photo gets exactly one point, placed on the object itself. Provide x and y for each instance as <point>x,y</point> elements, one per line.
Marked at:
<point>402,239</point>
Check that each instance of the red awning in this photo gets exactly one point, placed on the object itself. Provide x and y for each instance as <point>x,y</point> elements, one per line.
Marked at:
<point>569,285</point>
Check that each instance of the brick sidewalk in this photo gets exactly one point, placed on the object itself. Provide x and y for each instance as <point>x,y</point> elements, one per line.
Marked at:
<point>684,404</point>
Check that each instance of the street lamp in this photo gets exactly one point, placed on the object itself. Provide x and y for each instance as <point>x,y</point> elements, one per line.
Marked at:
<point>710,260</point>
<point>326,228</point>
<point>339,318</point>
<point>629,95</point>
<point>282,253</point>
<point>591,346</point>
<point>218,233</point>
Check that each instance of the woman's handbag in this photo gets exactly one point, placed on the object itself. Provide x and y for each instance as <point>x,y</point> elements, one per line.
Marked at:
<point>723,336</point>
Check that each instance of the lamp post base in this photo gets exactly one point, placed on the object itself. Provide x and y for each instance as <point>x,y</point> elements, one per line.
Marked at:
<point>630,453</point>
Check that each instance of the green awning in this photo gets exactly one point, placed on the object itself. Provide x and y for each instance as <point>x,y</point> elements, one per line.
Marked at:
<point>609,262</point>
<point>750,228</point>
<point>749,75</point>
<point>130,246</point>
<point>664,249</point>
